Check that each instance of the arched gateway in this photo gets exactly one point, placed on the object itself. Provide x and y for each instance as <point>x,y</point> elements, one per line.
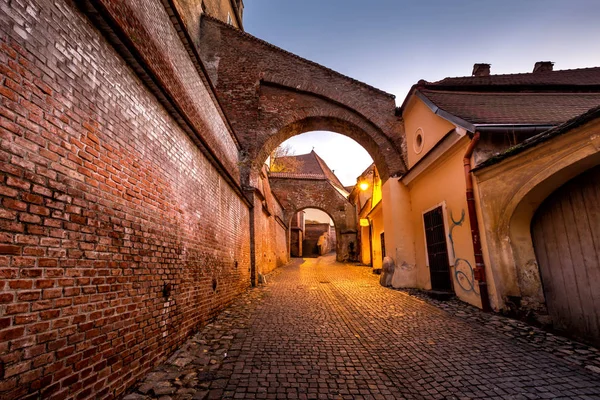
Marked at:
<point>298,193</point>
<point>270,95</point>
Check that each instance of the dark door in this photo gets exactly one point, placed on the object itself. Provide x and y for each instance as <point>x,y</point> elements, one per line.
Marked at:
<point>566,238</point>
<point>437,250</point>
<point>382,238</point>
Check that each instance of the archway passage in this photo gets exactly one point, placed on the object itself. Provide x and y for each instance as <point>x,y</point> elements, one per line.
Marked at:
<point>566,238</point>
<point>270,95</point>
<point>297,194</point>
<point>312,234</point>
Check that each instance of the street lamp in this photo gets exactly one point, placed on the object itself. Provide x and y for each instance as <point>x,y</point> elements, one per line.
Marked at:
<point>363,185</point>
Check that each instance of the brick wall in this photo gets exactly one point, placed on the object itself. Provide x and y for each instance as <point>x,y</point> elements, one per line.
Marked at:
<point>106,203</point>
<point>271,229</point>
<point>270,95</point>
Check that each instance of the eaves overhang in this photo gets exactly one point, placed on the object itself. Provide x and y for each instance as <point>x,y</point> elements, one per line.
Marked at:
<point>444,114</point>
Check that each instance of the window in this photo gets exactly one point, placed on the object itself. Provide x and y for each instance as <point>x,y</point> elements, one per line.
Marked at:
<point>229,20</point>
<point>418,142</point>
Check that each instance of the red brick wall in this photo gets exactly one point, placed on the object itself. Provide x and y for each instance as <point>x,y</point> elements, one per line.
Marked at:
<point>270,229</point>
<point>104,201</point>
<point>270,95</point>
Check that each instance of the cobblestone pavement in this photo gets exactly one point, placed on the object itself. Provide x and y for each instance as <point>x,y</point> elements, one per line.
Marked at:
<point>574,352</point>
<point>324,330</point>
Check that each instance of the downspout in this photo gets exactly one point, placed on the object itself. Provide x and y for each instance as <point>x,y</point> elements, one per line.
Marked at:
<point>371,243</point>
<point>479,271</point>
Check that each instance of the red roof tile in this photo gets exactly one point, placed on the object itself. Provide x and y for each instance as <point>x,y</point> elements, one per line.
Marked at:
<point>295,175</point>
<point>568,77</point>
<point>306,166</point>
<point>513,108</point>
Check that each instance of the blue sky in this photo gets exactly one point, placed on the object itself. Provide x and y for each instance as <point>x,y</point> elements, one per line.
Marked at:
<point>391,44</point>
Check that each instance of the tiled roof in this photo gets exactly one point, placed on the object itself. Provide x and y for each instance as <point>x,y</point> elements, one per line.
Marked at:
<point>295,175</point>
<point>533,141</point>
<point>568,77</point>
<point>513,108</point>
<point>301,164</point>
<point>306,166</point>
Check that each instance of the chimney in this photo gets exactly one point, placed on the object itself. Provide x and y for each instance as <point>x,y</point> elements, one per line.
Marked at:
<point>481,70</point>
<point>543,66</point>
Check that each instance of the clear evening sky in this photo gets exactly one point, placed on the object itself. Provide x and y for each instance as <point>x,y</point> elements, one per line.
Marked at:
<point>391,44</point>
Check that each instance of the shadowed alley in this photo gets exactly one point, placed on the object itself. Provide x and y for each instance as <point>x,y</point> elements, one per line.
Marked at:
<point>322,329</point>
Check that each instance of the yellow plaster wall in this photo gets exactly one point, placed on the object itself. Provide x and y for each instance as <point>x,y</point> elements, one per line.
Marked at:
<point>376,218</point>
<point>399,236</point>
<point>365,250</point>
<point>444,183</point>
<point>219,9</point>
<point>418,115</point>
<point>511,192</point>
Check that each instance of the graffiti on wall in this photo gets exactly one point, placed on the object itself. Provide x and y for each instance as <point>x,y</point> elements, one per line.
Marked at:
<point>464,274</point>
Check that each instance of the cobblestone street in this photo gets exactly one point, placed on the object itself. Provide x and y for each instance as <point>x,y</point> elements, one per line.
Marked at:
<point>324,330</point>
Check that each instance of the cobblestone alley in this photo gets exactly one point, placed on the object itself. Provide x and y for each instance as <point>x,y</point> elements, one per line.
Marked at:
<point>322,329</point>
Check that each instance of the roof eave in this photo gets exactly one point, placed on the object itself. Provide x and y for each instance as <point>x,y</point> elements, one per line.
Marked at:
<point>444,114</point>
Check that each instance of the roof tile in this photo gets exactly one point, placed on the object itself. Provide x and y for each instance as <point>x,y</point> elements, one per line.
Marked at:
<point>513,108</point>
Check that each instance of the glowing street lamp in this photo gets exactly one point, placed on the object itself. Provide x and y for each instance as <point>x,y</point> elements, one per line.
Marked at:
<point>363,186</point>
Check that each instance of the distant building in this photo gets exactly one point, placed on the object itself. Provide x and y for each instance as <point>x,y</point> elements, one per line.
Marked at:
<point>297,229</point>
<point>315,238</point>
<point>319,239</point>
<point>366,196</point>
<point>230,11</point>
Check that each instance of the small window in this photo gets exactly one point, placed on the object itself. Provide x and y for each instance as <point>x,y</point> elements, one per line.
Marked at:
<point>229,20</point>
<point>418,142</point>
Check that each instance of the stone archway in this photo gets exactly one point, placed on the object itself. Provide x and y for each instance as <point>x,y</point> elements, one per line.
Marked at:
<point>299,194</point>
<point>517,189</point>
<point>270,95</point>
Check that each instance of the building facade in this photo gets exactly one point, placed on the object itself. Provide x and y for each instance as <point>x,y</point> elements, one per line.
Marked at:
<point>500,234</point>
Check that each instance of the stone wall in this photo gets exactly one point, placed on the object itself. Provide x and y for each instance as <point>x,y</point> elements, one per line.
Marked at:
<point>118,235</point>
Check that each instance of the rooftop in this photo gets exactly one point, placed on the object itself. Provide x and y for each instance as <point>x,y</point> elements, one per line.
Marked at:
<point>513,108</point>
<point>535,98</point>
<point>306,166</point>
<point>574,78</point>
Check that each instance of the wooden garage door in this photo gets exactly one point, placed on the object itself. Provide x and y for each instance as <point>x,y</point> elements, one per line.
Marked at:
<point>566,238</point>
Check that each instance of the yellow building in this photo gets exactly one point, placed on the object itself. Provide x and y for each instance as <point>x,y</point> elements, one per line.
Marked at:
<point>485,137</point>
<point>366,196</point>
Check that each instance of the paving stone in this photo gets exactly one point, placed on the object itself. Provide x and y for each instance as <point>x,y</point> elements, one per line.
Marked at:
<point>349,338</point>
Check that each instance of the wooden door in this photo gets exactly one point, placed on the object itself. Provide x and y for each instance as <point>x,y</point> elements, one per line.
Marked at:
<point>566,238</point>
<point>437,250</point>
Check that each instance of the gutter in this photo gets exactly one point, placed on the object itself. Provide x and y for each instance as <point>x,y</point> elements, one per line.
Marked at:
<point>475,235</point>
<point>528,129</point>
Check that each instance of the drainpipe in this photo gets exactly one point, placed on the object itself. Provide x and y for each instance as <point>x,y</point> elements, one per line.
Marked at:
<point>371,243</point>
<point>479,263</point>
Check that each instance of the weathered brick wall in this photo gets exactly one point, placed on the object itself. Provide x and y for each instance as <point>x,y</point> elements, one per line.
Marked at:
<point>270,229</point>
<point>271,244</point>
<point>105,200</point>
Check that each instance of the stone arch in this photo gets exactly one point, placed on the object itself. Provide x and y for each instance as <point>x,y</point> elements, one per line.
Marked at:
<point>269,95</point>
<point>524,205</point>
<point>299,194</point>
<point>299,112</point>
<point>515,189</point>
<point>320,209</point>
